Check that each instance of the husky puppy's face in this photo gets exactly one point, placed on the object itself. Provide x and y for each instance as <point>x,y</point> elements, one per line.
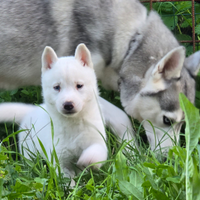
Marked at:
<point>154,98</point>
<point>69,83</point>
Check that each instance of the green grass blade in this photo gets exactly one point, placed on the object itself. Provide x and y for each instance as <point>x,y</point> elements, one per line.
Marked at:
<point>192,135</point>
<point>121,167</point>
<point>43,149</point>
<point>129,189</point>
<point>1,187</point>
<point>192,118</point>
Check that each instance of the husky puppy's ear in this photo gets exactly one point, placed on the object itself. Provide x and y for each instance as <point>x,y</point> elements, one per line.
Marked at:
<point>48,58</point>
<point>192,63</point>
<point>168,68</point>
<point>83,55</point>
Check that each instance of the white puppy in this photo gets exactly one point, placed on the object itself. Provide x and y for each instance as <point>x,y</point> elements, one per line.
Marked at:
<point>71,100</point>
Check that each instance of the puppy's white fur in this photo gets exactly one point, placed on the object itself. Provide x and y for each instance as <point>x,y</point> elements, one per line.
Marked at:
<point>79,134</point>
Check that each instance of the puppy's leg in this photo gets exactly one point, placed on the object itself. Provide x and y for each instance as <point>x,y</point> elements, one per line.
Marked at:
<point>117,120</point>
<point>68,173</point>
<point>107,75</point>
<point>110,79</point>
<point>93,154</point>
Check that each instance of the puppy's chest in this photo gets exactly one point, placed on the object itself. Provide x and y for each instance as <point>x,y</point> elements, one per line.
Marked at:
<point>71,138</point>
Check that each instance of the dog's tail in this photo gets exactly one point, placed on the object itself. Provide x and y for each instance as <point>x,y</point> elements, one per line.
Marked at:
<point>14,112</point>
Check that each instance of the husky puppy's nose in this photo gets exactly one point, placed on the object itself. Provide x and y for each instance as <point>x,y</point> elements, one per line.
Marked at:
<point>68,106</point>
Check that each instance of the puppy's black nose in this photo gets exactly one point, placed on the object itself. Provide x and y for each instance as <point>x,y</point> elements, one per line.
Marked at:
<point>68,106</point>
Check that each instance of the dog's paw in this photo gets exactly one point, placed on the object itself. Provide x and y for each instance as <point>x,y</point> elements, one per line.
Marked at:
<point>93,154</point>
<point>73,183</point>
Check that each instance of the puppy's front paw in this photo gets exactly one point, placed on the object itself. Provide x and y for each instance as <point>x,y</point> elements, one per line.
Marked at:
<point>94,153</point>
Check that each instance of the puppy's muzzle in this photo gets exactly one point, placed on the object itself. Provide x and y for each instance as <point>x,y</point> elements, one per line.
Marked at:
<point>68,107</point>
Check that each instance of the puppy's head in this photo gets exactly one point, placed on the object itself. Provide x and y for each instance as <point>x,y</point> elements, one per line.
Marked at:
<point>154,98</point>
<point>69,83</point>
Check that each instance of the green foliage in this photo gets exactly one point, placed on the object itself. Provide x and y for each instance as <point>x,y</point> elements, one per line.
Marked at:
<point>27,95</point>
<point>192,135</point>
<point>29,179</point>
<point>178,18</point>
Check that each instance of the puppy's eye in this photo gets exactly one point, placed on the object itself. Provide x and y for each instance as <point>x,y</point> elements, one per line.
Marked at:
<point>57,87</point>
<point>79,86</point>
<point>167,121</point>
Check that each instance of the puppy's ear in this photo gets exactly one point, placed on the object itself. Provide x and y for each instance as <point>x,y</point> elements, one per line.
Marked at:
<point>192,63</point>
<point>170,66</point>
<point>48,58</point>
<point>83,55</point>
<point>167,70</point>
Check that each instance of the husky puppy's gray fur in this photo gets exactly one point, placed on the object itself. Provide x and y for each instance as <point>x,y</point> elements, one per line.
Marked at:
<point>124,41</point>
<point>152,76</point>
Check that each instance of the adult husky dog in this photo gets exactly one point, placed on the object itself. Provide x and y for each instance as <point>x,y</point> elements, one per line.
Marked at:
<point>71,100</point>
<point>124,41</point>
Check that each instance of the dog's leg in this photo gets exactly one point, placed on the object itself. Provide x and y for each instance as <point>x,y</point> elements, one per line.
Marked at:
<point>93,154</point>
<point>69,174</point>
<point>108,76</point>
<point>110,79</point>
<point>68,170</point>
<point>117,120</point>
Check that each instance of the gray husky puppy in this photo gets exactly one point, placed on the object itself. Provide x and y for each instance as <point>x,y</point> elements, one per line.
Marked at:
<point>124,42</point>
